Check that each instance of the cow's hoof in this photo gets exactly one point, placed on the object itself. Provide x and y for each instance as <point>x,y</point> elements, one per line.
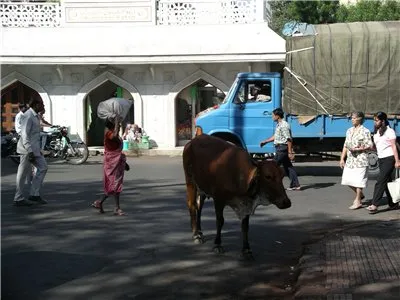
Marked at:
<point>218,249</point>
<point>247,255</point>
<point>198,238</point>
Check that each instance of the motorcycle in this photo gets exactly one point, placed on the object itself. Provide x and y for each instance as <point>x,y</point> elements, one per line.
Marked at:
<point>58,145</point>
<point>9,146</point>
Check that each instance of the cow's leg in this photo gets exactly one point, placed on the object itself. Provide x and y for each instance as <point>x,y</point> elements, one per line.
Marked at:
<point>200,202</point>
<point>192,194</point>
<point>219,213</point>
<point>246,251</point>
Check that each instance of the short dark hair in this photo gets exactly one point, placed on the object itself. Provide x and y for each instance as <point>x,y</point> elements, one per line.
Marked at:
<point>22,106</point>
<point>35,101</point>
<point>278,112</point>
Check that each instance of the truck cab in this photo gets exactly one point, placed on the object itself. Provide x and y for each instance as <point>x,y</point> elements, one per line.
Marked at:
<point>245,116</point>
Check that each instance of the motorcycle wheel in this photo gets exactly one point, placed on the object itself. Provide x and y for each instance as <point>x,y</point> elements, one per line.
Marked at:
<point>82,153</point>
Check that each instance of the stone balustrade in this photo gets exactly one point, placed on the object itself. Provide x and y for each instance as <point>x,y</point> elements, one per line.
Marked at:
<point>167,12</point>
<point>28,14</point>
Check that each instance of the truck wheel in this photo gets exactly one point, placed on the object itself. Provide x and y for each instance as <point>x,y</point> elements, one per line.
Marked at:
<point>373,166</point>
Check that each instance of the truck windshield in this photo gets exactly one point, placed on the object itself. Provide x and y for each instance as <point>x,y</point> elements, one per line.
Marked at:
<point>233,87</point>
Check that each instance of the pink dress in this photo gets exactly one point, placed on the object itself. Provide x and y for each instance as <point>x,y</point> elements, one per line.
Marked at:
<point>114,164</point>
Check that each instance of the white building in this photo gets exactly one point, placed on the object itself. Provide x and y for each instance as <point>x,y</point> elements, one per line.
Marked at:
<point>164,55</point>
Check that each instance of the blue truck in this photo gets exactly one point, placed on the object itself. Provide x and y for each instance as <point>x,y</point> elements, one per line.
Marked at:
<point>342,68</point>
<point>246,122</point>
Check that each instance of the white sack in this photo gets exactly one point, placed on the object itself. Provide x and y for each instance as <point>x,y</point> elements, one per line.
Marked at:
<point>394,188</point>
<point>113,107</point>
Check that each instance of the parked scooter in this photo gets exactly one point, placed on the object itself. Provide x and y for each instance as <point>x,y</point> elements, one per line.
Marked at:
<point>9,143</point>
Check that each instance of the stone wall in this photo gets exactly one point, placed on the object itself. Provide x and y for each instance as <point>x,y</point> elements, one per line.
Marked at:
<point>153,89</point>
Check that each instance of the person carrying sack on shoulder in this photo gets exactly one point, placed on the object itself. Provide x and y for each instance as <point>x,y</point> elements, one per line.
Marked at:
<point>114,166</point>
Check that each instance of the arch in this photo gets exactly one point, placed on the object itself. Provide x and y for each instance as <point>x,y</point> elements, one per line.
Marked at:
<point>96,82</point>
<point>199,74</point>
<point>194,77</point>
<point>16,76</point>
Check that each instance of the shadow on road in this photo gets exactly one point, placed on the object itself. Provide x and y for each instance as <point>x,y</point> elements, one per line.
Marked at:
<point>70,251</point>
<point>320,185</point>
<point>43,270</point>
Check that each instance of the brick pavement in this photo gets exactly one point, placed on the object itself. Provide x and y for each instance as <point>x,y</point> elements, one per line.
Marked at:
<point>362,262</point>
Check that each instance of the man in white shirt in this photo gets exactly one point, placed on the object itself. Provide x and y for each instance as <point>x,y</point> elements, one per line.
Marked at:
<point>18,118</point>
<point>29,149</point>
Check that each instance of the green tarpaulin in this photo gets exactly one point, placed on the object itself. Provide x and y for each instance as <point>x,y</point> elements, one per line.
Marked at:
<point>353,66</point>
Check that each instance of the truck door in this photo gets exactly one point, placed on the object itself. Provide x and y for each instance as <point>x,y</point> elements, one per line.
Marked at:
<point>251,114</point>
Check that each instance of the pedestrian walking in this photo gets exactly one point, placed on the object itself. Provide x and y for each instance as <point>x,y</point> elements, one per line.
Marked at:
<point>284,148</point>
<point>388,159</point>
<point>114,166</point>
<point>355,169</point>
<point>29,149</point>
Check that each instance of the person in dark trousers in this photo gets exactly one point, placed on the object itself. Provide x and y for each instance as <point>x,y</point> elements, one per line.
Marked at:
<point>388,158</point>
<point>284,148</point>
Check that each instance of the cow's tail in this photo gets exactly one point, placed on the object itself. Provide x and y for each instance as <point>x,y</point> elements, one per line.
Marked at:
<point>191,188</point>
<point>187,158</point>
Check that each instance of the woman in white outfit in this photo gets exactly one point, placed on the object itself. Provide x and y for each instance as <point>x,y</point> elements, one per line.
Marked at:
<point>356,146</point>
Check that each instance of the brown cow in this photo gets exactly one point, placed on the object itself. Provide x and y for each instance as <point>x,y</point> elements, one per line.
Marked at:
<point>218,169</point>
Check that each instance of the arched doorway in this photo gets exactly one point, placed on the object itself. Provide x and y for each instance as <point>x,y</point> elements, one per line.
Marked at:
<point>94,126</point>
<point>11,96</point>
<point>189,102</point>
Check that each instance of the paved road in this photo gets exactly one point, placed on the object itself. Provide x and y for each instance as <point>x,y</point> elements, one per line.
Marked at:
<point>66,250</point>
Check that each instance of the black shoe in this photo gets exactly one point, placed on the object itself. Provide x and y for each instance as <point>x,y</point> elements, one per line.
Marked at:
<point>22,203</point>
<point>37,199</point>
<point>394,206</point>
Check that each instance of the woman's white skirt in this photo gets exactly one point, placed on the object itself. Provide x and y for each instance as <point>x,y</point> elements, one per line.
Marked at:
<point>357,177</point>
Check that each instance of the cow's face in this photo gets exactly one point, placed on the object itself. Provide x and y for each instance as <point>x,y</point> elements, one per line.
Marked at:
<point>270,184</point>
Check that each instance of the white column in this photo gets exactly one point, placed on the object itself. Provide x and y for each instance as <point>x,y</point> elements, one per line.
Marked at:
<point>260,10</point>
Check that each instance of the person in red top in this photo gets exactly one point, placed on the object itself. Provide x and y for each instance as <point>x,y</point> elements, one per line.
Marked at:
<point>114,166</point>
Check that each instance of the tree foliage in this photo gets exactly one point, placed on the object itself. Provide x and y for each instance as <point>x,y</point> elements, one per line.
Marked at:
<point>320,11</point>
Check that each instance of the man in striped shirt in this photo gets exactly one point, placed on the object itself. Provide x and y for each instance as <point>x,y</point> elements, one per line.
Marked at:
<point>284,148</point>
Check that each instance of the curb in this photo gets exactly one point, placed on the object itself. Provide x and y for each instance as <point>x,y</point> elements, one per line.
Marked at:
<point>144,152</point>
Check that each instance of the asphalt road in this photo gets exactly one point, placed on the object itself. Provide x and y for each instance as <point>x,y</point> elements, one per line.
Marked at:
<point>66,250</point>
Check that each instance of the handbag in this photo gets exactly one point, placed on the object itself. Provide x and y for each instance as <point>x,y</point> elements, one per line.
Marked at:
<point>394,187</point>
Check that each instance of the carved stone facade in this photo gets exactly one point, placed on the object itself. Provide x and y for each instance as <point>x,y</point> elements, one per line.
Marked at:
<point>100,12</point>
<point>129,45</point>
<point>154,99</point>
<point>148,12</point>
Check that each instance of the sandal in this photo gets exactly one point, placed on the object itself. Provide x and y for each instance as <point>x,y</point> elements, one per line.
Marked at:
<point>98,205</point>
<point>372,210</point>
<point>354,207</point>
<point>119,212</point>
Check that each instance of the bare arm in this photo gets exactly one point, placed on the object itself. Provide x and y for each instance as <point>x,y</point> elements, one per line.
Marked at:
<point>290,146</point>
<point>344,153</point>
<point>262,143</point>
<point>268,140</point>
<point>396,154</point>
<point>115,134</point>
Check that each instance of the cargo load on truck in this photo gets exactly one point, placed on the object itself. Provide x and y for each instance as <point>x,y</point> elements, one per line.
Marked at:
<point>342,68</point>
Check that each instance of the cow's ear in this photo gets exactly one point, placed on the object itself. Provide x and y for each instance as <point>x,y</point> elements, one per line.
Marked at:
<point>252,181</point>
